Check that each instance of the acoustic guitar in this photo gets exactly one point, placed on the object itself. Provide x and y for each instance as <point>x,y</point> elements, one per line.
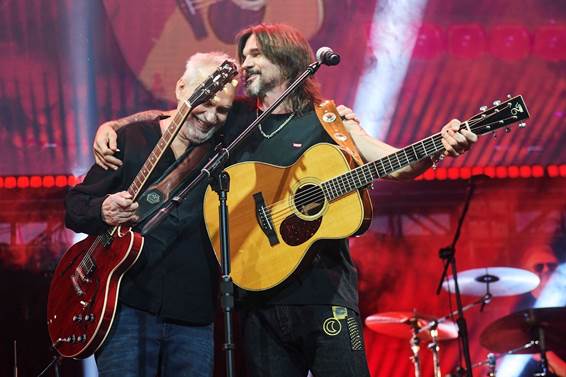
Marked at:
<point>277,212</point>
<point>83,294</point>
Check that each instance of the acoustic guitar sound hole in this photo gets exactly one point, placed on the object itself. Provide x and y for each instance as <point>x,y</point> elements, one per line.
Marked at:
<point>309,200</point>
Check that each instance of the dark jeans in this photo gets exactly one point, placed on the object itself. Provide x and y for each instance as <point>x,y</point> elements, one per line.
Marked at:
<point>140,344</point>
<point>290,340</point>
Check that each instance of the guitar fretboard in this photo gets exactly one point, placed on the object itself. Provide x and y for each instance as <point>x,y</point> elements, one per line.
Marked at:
<point>364,175</point>
<point>160,148</point>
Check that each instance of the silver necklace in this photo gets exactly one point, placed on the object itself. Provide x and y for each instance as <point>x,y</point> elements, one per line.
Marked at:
<point>268,136</point>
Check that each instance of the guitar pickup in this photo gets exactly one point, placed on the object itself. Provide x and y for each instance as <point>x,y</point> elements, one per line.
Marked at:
<point>263,216</point>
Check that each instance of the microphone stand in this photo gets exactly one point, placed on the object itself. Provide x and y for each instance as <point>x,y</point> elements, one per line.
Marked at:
<point>448,255</point>
<point>220,182</point>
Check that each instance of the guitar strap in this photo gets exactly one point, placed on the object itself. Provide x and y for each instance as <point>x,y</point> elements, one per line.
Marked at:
<point>332,124</point>
<point>168,184</point>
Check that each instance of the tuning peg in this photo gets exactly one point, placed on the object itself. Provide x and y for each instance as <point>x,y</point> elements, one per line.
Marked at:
<point>494,134</point>
<point>483,108</point>
<point>509,96</point>
<point>496,103</point>
<point>522,125</point>
<point>507,130</point>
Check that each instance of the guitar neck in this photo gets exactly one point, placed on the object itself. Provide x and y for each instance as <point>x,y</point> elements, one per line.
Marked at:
<point>365,174</point>
<point>159,149</point>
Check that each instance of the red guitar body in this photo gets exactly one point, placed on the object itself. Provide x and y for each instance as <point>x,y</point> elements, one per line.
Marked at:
<point>84,290</point>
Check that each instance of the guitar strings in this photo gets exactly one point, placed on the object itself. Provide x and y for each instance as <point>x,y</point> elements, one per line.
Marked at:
<point>93,246</point>
<point>313,194</point>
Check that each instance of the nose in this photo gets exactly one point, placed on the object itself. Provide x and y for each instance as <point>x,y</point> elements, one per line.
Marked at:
<point>210,117</point>
<point>247,63</point>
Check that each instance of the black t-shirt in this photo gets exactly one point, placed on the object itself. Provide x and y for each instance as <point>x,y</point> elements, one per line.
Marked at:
<point>327,276</point>
<point>176,275</point>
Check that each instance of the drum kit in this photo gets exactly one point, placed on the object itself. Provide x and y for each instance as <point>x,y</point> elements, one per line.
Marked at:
<point>531,331</point>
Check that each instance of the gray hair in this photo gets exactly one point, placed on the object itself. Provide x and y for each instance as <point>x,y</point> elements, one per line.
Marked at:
<point>202,64</point>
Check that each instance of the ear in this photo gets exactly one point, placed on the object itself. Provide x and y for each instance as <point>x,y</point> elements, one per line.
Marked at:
<point>179,89</point>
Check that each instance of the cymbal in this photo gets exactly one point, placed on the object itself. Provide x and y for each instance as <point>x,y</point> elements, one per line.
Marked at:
<point>513,331</point>
<point>399,325</point>
<point>502,281</point>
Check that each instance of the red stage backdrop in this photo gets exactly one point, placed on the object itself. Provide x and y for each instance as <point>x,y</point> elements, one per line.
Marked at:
<point>68,65</point>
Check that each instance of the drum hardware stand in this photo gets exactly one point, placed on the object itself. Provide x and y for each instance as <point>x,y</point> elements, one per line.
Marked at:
<point>491,364</point>
<point>415,346</point>
<point>542,345</point>
<point>434,348</point>
<point>448,255</point>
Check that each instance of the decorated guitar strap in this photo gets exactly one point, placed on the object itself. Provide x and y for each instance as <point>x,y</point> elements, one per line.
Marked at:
<point>332,124</point>
<point>161,191</point>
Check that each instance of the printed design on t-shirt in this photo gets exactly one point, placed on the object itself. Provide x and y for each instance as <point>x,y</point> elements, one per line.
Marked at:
<point>332,326</point>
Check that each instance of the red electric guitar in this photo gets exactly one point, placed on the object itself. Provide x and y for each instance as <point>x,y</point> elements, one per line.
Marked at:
<point>85,285</point>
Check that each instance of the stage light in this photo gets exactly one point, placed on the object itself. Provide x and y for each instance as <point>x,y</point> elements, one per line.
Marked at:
<point>512,171</point>
<point>394,32</point>
<point>465,173</point>
<point>23,182</point>
<point>48,181</point>
<point>466,41</point>
<point>509,42</point>
<point>538,171</point>
<point>501,172</point>
<point>477,170</point>
<point>72,180</point>
<point>489,171</point>
<point>525,171</point>
<point>429,43</point>
<point>428,175</point>
<point>453,173</point>
<point>61,181</point>
<point>440,174</point>
<point>10,182</point>
<point>35,181</point>
<point>550,42</point>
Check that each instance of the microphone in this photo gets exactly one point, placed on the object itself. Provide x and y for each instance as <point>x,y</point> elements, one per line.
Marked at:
<point>327,56</point>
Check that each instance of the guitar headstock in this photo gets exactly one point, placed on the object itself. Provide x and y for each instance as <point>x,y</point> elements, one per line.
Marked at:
<point>214,83</point>
<point>500,115</point>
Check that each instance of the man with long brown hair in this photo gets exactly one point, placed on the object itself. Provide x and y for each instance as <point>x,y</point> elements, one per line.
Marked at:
<point>311,321</point>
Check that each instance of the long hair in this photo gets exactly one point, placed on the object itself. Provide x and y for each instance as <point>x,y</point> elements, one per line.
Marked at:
<point>285,47</point>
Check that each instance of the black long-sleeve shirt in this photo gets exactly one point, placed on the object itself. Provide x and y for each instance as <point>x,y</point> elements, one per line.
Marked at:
<point>176,274</point>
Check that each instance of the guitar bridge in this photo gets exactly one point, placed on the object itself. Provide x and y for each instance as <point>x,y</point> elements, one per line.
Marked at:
<point>263,216</point>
